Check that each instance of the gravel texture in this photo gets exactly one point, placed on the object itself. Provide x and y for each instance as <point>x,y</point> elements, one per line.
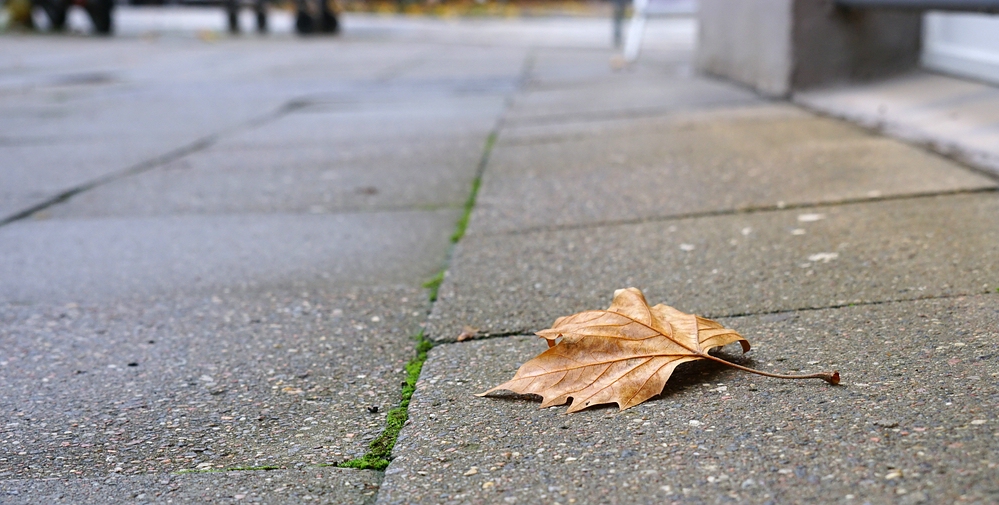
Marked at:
<point>230,379</point>
<point>726,265</point>
<point>308,485</point>
<point>912,422</point>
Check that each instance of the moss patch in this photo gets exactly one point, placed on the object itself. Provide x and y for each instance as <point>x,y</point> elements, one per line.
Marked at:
<point>380,450</point>
<point>434,284</point>
<point>459,231</point>
<point>379,453</point>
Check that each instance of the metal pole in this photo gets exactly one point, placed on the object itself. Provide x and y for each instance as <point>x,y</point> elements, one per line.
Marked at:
<point>619,7</point>
<point>635,31</point>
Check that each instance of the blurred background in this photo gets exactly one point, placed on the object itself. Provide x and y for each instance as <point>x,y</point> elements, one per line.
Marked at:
<point>962,39</point>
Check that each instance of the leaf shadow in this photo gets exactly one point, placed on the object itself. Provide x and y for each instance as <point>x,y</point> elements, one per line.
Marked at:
<point>531,398</point>
<point>507,396</point>
<point>696,373</point>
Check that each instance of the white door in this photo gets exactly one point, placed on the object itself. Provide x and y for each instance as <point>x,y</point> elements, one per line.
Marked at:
<point>962,44</point>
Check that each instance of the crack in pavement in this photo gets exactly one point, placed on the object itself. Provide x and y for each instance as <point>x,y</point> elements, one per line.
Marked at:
<point>872,303</point>
<point>424,345</point>
<point>157,161</point>
<point>738,211</point>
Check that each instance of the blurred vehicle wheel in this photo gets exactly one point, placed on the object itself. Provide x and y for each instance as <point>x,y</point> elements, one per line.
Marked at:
<point>233,22</point>
<point>100,15</point>
<point>261,19</point>
<point>330,24</point>
<point>56,12</point>
<point>303,22</point>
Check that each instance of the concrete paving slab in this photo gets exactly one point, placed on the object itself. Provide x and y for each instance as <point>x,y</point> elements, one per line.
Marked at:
<point>313,485</point>
<point>441,65</point>
<point>39,171</point>
<point>231,378</point>
<point>305,179</point>
<point>955,116</point>
<point>689,165</point>
<point>570,129</point>
<point>12,204</point>
<point>70,260</point>
<point>567,67</point>
<point>911,423</point>
<point>44,66</point>
<point>741,263</point>
<point>130,115</point>
<point>644,96</point>
<point>389,123</point>
<point>103,111</point>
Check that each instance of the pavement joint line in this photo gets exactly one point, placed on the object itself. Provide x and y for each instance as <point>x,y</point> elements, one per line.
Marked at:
<point>434,283</point>
<point>462,225</point>
<point>683,117</point>
<point>385,209</point>
<point>618,114</point>
<point>36,141</point>
<point>873,303</point>
<point>263,468</point>
<point>154,162</point>
<point>936,147</point>
<point>741,211</point>
<point>138,168</point>
<point>379,454</point>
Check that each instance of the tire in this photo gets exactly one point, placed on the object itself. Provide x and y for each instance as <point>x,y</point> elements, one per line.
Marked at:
<point>100,15</point>
<point>56,12</point>
<point>330,24</point>
<point>233,17</point>
<point>303,23</point>
<point>261,21</point>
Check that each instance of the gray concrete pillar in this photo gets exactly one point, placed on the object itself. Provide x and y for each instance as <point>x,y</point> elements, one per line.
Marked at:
<point>780,46</point>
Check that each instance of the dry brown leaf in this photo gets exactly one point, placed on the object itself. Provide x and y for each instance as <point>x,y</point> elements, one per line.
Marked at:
<point>467,333</point>
<point>623,355</point>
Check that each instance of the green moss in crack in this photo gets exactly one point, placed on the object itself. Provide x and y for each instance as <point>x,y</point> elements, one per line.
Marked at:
<point>380,450</point>
<point>434,284</point>
<point>459,231</point>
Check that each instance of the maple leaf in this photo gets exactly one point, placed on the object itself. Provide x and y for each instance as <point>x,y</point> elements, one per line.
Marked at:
<point>623,355</point>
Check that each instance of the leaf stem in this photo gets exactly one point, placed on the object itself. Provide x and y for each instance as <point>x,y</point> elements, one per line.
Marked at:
<point>830,377</point>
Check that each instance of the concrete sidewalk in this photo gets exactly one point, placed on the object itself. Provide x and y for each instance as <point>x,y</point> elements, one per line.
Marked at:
<point>217,306</point>
<point>829,247</point>
<point>213,251</point>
